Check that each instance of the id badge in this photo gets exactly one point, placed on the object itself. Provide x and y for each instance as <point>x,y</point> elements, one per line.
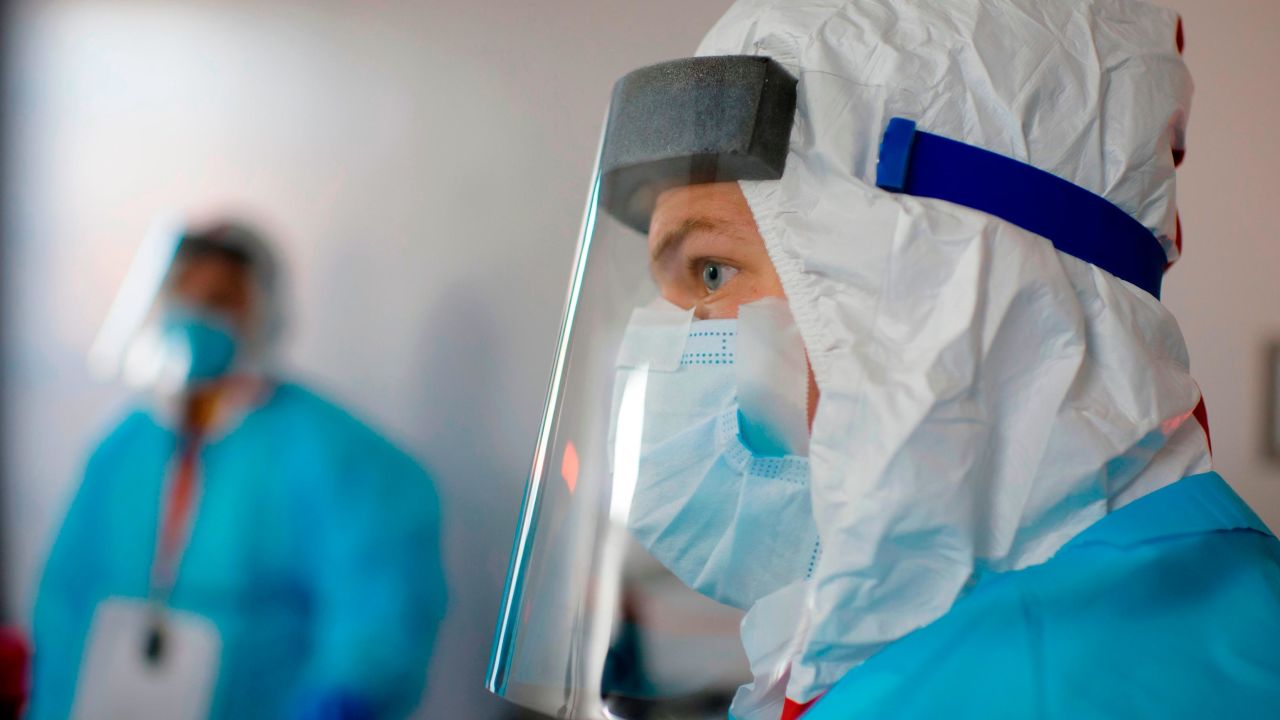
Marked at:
<point>144,664</point>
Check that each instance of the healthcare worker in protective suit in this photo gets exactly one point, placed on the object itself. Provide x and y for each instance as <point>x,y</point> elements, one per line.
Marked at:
<point>864,339</point>
<point>239,546</point>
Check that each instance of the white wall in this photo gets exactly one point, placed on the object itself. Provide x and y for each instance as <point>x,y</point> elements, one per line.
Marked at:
<point>1225,292</point>
<point>424,165</point>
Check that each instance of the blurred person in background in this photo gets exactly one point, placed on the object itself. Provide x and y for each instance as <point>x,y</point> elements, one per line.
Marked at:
<point>239,547</point>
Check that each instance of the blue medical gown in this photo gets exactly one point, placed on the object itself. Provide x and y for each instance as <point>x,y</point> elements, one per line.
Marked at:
<point>315,551</point>
<point>1167,608</point>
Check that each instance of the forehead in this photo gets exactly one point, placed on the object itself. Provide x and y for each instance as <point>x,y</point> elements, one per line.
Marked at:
<point>720,204</point>
<point>206,274</point>
<point>208,269</point>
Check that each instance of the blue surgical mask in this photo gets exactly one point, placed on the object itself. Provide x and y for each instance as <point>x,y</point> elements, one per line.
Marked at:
<point>729,521</point>
<point>205,343</point>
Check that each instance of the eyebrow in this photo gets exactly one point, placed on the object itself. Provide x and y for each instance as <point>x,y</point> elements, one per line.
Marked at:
<point>673,238</point>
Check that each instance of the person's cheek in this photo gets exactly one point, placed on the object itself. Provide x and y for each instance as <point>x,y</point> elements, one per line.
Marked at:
<point>675,294</point>
<point>751,286</point>
<point>712,311</point>
<point>725,305</point>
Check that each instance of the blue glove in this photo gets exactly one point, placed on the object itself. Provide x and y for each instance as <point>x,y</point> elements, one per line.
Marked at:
<point>333,705</point>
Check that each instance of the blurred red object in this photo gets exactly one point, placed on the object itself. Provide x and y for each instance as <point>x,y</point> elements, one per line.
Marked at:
<point>14,662</point>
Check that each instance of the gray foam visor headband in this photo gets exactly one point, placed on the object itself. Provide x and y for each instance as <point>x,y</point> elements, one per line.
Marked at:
<point>697,120</point>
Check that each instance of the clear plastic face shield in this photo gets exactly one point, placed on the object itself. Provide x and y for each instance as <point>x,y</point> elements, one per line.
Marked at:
<point>669,488</point>
<point>170,328</point>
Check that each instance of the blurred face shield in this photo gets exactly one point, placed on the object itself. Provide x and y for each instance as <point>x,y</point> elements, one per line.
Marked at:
<point>669,489</point>
<point>196,306</point>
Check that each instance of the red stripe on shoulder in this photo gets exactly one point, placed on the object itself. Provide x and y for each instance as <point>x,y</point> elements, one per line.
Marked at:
<point>792,710</point>
<point>1201,414</point>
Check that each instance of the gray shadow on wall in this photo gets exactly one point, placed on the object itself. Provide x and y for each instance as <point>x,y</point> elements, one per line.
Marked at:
<point>478,446</point>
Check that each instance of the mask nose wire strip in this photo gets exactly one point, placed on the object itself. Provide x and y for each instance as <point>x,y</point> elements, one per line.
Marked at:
<point>1078,222</point>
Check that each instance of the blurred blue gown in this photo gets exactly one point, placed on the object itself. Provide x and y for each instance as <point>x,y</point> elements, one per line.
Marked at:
<point>1167,608</point>
<point>315,550</point>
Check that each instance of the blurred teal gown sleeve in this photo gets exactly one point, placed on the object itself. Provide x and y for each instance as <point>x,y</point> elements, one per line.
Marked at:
<point>315,550</point>
<point>1167,608</point>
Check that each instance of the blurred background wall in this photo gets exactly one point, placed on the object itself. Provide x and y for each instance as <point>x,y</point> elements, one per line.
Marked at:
<point>5,566</point>
<point>423,166</point>
<point>1226,290</point>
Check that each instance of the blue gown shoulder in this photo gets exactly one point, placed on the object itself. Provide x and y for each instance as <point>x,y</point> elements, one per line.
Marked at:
<point>1167,608</point>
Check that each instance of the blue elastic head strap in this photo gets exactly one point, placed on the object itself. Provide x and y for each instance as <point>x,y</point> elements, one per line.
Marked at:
<point>1078,222</point>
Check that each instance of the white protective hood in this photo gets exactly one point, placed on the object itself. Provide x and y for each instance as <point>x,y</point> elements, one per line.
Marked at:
<point>984,398</point>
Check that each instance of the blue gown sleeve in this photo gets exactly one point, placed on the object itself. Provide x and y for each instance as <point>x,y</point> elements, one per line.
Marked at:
<point>378,587</point>
<point>68,593</point>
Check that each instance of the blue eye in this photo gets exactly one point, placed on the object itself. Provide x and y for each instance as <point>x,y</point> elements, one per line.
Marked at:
<point>715,275</point>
